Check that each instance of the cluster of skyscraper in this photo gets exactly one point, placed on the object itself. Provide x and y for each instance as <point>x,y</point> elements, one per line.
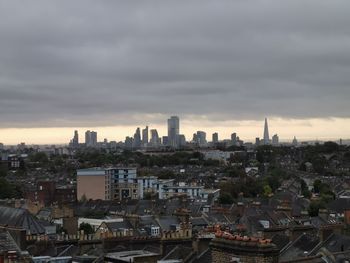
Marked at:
<point>174,139</point>
<point>90,139</point>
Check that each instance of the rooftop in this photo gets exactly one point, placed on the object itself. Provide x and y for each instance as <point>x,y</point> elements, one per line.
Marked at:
<point>129,256</point>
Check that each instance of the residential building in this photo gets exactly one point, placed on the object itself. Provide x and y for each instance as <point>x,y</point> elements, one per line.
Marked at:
<point>167,189</point>
<point>107,184</point>
<point>112,184</point>
<point>217,155</point>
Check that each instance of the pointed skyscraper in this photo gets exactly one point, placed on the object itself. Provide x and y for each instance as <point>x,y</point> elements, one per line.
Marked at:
<point>266,133</point>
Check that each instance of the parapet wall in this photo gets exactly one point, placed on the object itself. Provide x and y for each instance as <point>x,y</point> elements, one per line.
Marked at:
<point>228,248</point>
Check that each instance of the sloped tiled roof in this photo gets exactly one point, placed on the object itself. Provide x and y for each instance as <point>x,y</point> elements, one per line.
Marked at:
<point>301,247</point>
<point>21,219</point>
<point>7,243</point>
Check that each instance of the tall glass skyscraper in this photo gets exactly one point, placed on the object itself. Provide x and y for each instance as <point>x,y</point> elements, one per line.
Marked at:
<point>173,131</point>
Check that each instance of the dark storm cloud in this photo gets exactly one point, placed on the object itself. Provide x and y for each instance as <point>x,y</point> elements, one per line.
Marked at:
<point>71,63</point>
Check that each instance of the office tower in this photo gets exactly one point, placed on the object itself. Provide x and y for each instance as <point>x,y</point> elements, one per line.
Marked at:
<point>145,136</point>
<point>234,138</point>
<point>195,138</point>
<point>165,140</point>
<point>182,140</point>
<point>90,138</point>
<point>266,133</point>
<point>128,142</point>
<point>275,140</point>
<point>76,138</point>
<point>173,131</point>
<point>75,141</point>
<point>155,141</point>
<point>87,138</point>
<point>93,138</point>
<point>215,137</point>
<point>201,138</point>
<point>137,138</point>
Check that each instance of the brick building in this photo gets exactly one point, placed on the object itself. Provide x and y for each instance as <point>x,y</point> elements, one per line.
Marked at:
<point>228,248</point>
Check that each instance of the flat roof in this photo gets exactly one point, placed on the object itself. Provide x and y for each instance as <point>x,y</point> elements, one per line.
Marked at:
<point>184,187</point>
<point>100,170</point>
<point>106,169</point>
<point>128,256</point>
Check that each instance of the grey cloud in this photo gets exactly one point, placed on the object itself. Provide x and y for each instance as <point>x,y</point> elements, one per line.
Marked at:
<point>79,63</point>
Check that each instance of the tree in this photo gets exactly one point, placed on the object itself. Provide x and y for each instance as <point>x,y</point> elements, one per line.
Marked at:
<point>6,189</point>
<point>267,190</point>
<point>39,157</point>
<point>304,189</point>
<point>87,228</point>
<point>225,199</point>
<point>330,147</point>
<point>3,171</point>
<point>314,208</point>
<point>317,186</point>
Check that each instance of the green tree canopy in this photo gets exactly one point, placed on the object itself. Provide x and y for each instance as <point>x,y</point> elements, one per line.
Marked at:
<point>87,228</point>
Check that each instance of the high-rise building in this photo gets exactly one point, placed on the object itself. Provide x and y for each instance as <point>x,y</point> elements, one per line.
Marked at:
<point>137,138</point>
<point>195,138</point>
<point>75,141</point>
<point>275,140</point>
<point>182,140</point>
<point>266,133</point>
<point>165,140</point>
<point>129,142</point>
<point>94,138</point>
<point>201,138</point>
<point>234,138</point>
<point>87,138</point>
<point>145,136</point>
<point>90,138</point>
<point>155,140</point>
<point>215,137</point>
<point>173,131</point>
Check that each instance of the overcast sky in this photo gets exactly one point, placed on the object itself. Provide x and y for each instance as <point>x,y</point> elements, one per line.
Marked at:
<point>106,63</point>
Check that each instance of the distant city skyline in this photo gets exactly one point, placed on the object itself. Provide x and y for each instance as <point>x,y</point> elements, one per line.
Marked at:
<point>246,130</point>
